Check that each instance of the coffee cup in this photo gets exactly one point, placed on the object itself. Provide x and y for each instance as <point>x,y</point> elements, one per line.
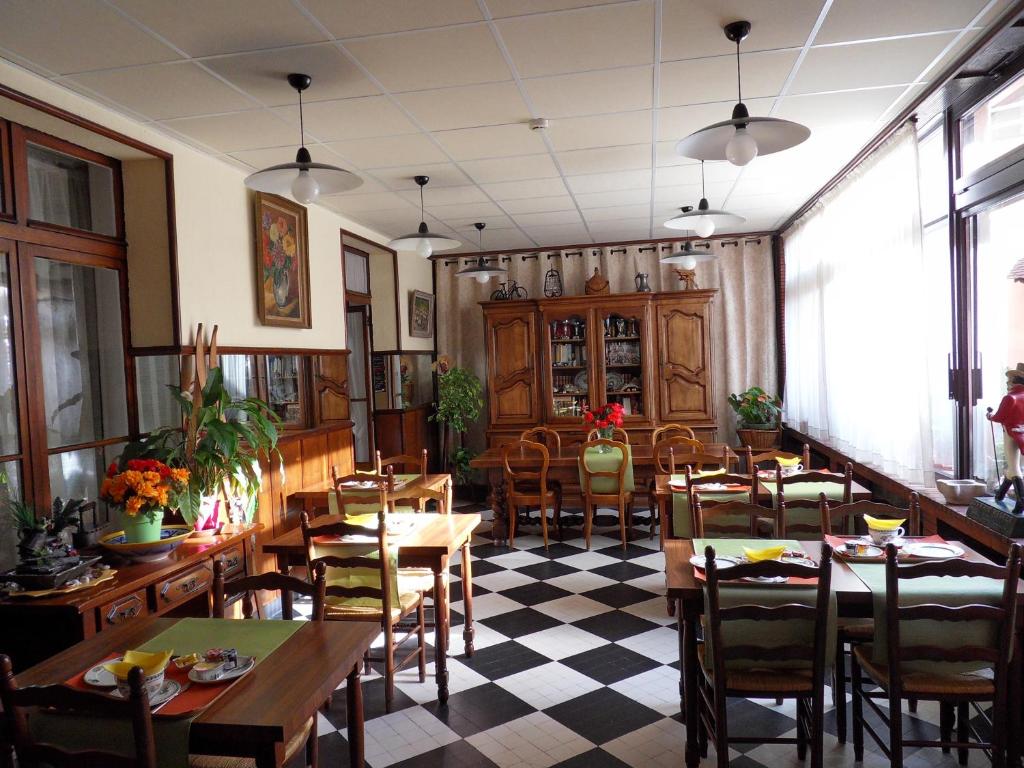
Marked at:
<point>883,537</point>
<point>792,470</point>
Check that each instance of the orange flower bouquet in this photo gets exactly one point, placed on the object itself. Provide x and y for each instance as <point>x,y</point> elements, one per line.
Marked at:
<point>143,489</point>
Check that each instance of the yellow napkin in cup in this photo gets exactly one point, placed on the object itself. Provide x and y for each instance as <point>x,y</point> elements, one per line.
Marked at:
<point>368,520</point>
<point>883,525</point>
<point>768,553</point>
<point>784,462</point>
<point>151,663</point>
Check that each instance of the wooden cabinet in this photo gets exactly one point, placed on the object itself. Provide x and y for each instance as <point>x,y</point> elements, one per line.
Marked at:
<point>548,359</point>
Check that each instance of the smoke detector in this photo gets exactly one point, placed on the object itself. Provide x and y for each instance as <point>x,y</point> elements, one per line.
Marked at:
<point>539,124</point>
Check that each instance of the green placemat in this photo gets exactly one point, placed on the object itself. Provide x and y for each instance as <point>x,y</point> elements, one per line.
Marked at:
<point>608,462</point>
<point>682,520</point>
<point>805,492</point>
<point>248,637</point>
<point>938,590</point>
<point>373,499</point>
<point>766,634</point>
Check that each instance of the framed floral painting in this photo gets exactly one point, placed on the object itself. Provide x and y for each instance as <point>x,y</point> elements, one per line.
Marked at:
<point>282,262</point>
<point>421,314</point>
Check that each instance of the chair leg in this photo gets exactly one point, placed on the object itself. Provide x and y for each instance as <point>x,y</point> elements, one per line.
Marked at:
<point>721,733</point>
<point>558,513</point>
<point>963,730</point>
<point>624,513</point>
<point>946,720</point>
<point>544,522</point>
<point>587,520</point>
<point>513,515</point>
<point>858,709</point>
<point>839,688</point>
<point>912,706</point>
<point>895,732</point>
<point>312,746</point>
<point>801,730</point>
<point>818,729</point>
<point>421,636</point>
<point>389,669</point>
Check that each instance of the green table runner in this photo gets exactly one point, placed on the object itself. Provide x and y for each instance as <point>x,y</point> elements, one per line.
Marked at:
<point>682,521</point>
<point>373,498</point>
<point>767,634</point>
<point>608,462</point>
<point>248,637</point>
<point>938,590</point>
<point>805,492</point>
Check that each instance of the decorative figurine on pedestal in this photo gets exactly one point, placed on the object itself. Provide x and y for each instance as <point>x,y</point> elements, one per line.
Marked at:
<point>996,512</point>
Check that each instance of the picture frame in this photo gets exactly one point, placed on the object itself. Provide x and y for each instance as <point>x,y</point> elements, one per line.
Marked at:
<point>282,262</point>
<point>421,314</point>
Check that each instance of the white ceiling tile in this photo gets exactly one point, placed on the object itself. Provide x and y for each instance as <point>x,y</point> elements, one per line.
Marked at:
<point>592,93</point>
<point>236,163</point>
<point>864,19</point>
<point>866,65</point>
<point>697,81</point>
<point>513,190</point>
<point>494,222</point>
<point>377,201</point>
<point>390,151</point>
<point>628,158</point>
<point>263,74</point>
<point>689,194</point>
<point>470,210</point>
<point>616,197</point>
<point>467,107</point>
<point>846,108</point>
<point>666,155</point>
<point>609,182</point>
<point>446,196</point>
<point>615,36</point>
<point>440,175</point>
<point>538,204</point>
<point>391,223</point>
<point>545,218</point>
<point>693,28</point>
<point>491,141</point>
<point>238,130</point>
<point>510,168</point>
<point>432,59</point>
<point>162,91</point>
<point>621,229</point>
<point>66,37</point>
<point>676,175</point>
<point>351,118</point>
<point>503,8</point>
<point>600,131</point>
<point>354,18</point>
<point>559,234</point>
<point>617,212</point>
<point>507,239</point>
<point>202,28</point>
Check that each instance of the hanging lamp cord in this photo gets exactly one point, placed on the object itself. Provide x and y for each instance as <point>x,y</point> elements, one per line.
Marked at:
<point>302,126</point>
<point>703,192</point>
<point>421,203</point>
<point>739,79</point>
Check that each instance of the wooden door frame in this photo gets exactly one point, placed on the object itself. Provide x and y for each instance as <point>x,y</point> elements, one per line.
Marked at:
<point>366,311</point>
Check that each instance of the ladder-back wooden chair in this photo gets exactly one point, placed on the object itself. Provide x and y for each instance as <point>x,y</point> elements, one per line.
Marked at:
<point>727,519</point>
<point>672,430</point>
<point>789,497</point>
<point>753,461</point>
<point>528,487</point>
<point>709,499</point>
<point>551,440</point>
<point>271,581</point>
<point>606,486</point>
<point>407,463</point>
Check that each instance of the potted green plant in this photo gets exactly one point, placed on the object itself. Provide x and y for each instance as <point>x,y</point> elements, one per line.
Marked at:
<point>757,416</point>
<point>30,527</point>
<point>459,402</point>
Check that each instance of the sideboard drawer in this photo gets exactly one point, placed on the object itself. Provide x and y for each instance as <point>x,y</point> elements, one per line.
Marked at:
<point>234,561</point>
<point>183,586</point>
<point>123,609</point>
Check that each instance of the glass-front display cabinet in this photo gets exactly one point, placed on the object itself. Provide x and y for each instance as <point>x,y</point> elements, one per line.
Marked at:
<point>622,365</point>
<point>567,335</point>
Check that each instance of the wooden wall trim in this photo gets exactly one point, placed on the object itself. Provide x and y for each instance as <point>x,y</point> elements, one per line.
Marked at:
<point>171,349</point>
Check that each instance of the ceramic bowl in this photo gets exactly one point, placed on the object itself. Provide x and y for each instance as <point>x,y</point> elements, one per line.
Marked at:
<point>171,537</point>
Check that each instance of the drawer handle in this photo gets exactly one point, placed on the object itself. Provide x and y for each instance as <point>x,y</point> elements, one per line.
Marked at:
<point>186,587</point>
<point>121,612</point>
<point>231,563</point>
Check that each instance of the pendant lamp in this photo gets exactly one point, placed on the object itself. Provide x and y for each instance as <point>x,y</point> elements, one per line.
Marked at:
<point>423,241</point>
<point>304,180</point>
<point>742,138</point>
<point>480,271</point>
<point>687,256</point>
<point>705,220</point>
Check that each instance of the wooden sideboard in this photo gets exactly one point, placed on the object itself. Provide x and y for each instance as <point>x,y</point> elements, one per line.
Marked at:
<point>34,629</point>
<point>649,351</point>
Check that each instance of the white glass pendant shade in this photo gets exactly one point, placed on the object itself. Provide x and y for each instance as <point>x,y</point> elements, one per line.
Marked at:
<point>424,248</point>
<point>688,257</point>
<point>423,241</point>
<point>704,226</point>
<point>705,220</point>
<point>480,271</point>
<point>742,147</point>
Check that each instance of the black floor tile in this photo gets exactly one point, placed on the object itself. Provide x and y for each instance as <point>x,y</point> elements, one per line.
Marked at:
<point>622,571</point>
<point>609,663</point>
<point>631,551</point>
<point>555,550</point>
<point>619,595</point>
<point>534,594</point>
<point>459,754</point>
<point>747,718</point>
<point>551,569</point>
<point>502,660</point>
<point>479,709</point>
<point>455,591</point>
<point>525,621</point>
<point>333,750</point>
<point>595,758</point>
<point>373,701</point>
<point>481,567</point>
<point>602,715</point>
<point>615,625</point>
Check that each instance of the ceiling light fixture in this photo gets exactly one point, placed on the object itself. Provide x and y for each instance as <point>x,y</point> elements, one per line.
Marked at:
<point>687,257</point>
<point>423,241</point>
<point>742,138</point>
<point>480,271</point>
<point>705,219</point>
<point>304,180</point>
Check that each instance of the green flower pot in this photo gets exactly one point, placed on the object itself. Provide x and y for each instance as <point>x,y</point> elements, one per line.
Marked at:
<point>141,528</point>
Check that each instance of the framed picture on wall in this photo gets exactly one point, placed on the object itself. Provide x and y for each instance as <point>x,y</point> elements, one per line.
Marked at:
<point>282,262</point>
<point>421,314</point>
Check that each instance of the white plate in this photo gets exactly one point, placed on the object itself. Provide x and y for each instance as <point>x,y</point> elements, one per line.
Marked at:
<point>360,484</point>
<point>246,663</point>
<point>873,551</point>
<point>766,579</point>
<point>100,677</point>
<point>168,690</point>
<point>797,560</point>
<point>932,551</point>
<point>723,561</point>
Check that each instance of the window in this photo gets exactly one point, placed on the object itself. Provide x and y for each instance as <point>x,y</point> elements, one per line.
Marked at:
<point>71,192</point>
<point>993,128</point>
<point>357,271</point>
<point>154,376</point>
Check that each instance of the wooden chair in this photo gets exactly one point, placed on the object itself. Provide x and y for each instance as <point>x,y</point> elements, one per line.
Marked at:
<point>748,673</point>
<point>350,595</point>
<point>551,440</point>
<point>754,460</point>
<point>31,752</point>
<point>811,527</point>
<point>678,446</point>
<point>722,520</point>
<point>609,488</point>
<point>842,519</point>
<point>618,433</point>
<point>694,483</point>
<point>270,581</point>
<point>411,464</point>
<point>529,487</point>
<point>673,430</point>
<point>695,461</point>
<point>895,682</point>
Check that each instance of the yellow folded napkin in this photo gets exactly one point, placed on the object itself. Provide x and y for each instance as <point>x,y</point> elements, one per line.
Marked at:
<point>883,525</point>
<point>768,553</point>
<point>784,462</point>
<point>369,520</point>
<point>151,663</point>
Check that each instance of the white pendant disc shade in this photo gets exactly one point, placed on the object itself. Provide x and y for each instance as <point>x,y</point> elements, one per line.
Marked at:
<point>423,241</point>
<point>687,257</point>
<point>705,220</point>
<point>304,180</point>
<point>480,271</point>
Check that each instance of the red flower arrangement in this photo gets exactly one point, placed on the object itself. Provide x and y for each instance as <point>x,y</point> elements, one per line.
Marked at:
<point>604,418</point>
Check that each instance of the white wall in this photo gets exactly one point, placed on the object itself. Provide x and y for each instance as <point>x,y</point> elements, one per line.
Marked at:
<point>414,273</point>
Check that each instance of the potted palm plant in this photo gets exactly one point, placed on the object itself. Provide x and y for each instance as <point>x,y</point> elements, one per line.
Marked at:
<point>757,416</point>
<point>459,401</point>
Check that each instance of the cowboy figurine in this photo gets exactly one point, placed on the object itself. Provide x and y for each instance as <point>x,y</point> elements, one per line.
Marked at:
<point>1011,415</point>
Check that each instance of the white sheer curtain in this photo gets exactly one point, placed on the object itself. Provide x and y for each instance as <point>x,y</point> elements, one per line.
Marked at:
<point>857,369</point>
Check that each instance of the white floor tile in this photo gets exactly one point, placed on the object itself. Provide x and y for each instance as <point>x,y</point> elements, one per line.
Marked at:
<point>588,560</point>
<point>657,688</point>
<point>517,558</point>
<point>659,744</point>
<point>491,604</point>
<point>661,644</point>
<point>404,734</point>
<point>561,642</point>
<point>534,741</point>
<point>500,580</point>
<point>652,582</point>
<point>460,678</point>
<point>572,608</point>
<point>581,581</point>
<point>547,685</point>
<point>655,609</point>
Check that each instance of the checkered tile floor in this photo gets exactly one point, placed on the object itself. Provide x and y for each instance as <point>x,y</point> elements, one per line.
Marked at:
<point>576,664</point>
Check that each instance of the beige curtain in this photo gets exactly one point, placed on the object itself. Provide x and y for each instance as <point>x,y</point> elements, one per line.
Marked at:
<point>743,331</point>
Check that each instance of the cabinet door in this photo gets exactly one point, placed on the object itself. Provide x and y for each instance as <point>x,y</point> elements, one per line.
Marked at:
<point>569,378</point>
<point>624,358</point>
<point>685,382</point>
<point>512,355</point>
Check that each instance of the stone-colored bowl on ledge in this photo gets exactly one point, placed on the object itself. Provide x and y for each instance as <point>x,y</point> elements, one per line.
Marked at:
<point>960,492</point>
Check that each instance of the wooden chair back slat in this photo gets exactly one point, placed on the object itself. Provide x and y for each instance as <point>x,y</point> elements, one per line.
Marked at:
<point>776,652</point>
<point>789,612</point>
<point>707,518</point>
<point>788,527</point>
<point>754,460</point>
<point>673,430</point>
<point>417,463</point>
<point>547,437</point>
<point>838,517</point>
<point>962,655</point>
<point>680,445</point>
<point>272,581</point>
<point>61,697</point>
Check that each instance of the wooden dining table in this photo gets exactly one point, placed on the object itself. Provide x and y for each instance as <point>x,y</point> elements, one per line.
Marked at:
<point>316,496</point>
<point>260,712</point>
<point>854,599</point>
<point>431,545</point>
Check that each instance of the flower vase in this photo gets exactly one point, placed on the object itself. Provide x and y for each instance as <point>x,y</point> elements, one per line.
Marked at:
<point>605,433</point>
<point>209,514</point>
<point>282,282</point>
<point>141,528</point>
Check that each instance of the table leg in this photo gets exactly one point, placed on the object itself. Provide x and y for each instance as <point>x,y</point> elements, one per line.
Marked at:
<point>440,635</point>
<point>354,706</point>
<point>286,595</point>
<point>496,498</point>
<point>689,669</point>
<point>467,598</point>
<point>270,755</point>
